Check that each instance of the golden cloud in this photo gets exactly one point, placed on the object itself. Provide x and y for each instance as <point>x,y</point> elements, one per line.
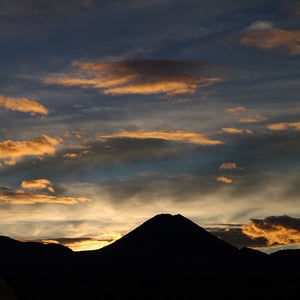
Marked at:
<point>257,118</point>
<point>38,184</point>
<point>236,110</point>
<point>224,179</point>
<point>12,151</point>
<point>22,198</point>
<point>273,38</point>
<point>234,130</point>
<point>228,166</point>
<point>284,126</point>
<point>23,105</point>
<point>144,77</point>
<point>76,155</point>
<point>178,136</point>
<point>276,230</point>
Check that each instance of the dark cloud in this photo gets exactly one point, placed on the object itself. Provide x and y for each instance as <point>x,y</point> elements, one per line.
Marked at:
<point>143,77</point>
<point>237,238</point>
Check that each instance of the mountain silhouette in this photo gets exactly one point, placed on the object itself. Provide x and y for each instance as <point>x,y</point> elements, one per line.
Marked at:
<point>167,245</point>
<point>166,257</point>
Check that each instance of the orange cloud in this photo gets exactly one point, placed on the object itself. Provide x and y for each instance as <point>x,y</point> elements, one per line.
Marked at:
<point>228,165</point>
<point>12,151</point>
<point>38,184</point>
<point>76,155</point>
<point>23,105</point>
<point>144,77</point>
<point>178,136</point>
<point>276,230</point>
<point>257,118</point>
<point>284,126</point>
<point>273,38</point>
<point>22,198</point>
<point>236,110</point>
<point>234,130</point>
<point>224,179</point>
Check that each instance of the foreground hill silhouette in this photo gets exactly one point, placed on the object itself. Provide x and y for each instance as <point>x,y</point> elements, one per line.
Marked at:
<point>166,257</point>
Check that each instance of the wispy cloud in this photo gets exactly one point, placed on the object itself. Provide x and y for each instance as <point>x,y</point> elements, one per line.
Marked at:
<point>178,136</point>
<point>8,214</point>
<point>273,38</point>
<point>38,184</point>
<point>22,198</point>
<point>234,130</point>
<point>228,166</point>
<point>255,119</point>
<point>284,126</point>
<point>136,77</point>
<point>76,155</point>
<point>236,110</point>
<point>224,179</point>
<point>23,105</point>
<point>12,151</point>
<point>275,229</point>
<point>260,26</point>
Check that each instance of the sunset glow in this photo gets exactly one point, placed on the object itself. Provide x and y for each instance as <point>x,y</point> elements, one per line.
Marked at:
<point>114,111</point>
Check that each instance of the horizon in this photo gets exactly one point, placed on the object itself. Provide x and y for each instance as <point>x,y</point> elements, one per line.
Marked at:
<point>114,111</point>
<point>87,244</point>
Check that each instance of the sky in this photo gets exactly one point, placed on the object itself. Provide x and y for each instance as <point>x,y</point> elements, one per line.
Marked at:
<point>114,111</point>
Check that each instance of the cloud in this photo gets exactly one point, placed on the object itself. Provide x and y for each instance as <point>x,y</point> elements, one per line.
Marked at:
<point>23,105</point>
<point>234,130</point>
<point>228,166</point>
<point>76,155</point>
<point>257,118</point>
<point>236,110</point>
<point>38,184</point>
<point>224,179</point>
<point>260,26</point>
<point>177,136</point>
<point>144,77</point>
<point>286,40</point>
<point>12,151</point>
<point>280,230</point>
<point>237,238</point>
<point>21,198</point>
<point>284,126</point>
